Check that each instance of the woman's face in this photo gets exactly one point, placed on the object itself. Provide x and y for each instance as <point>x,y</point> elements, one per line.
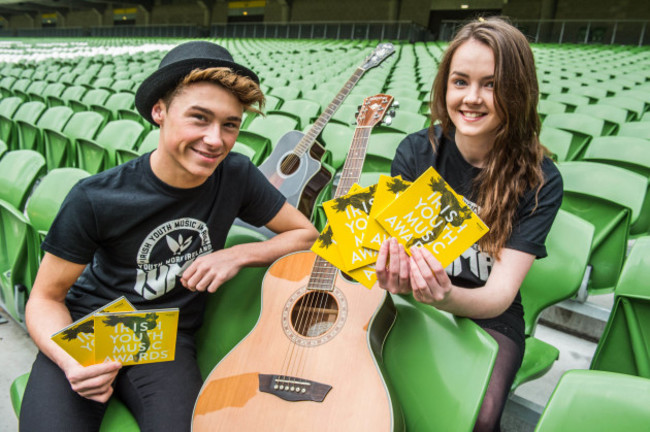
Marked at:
<point>470,93</point>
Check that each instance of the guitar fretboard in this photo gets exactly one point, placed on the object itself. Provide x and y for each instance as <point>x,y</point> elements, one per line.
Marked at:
<point>308,139</point>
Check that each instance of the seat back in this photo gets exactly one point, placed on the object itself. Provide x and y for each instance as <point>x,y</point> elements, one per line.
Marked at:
<point>44,203</point>
<point>625,152</point>
<point>558,276</point>
<point>273,126</point>
<point>557,141</point>
<point>583,127</point>
<point>28,114</point>
<point>611,198</point>
<point>623,346</point>
<point>19,169</point>
<point>60,147</point>
<point>597,401</point>
<point>439,366</point>
<point>635,129</point>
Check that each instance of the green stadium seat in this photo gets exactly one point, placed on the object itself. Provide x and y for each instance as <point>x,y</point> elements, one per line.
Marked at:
<point>323,97</point>
<point>612,199</point>
<point>3,148</point>
<point>635,129</point>
<point>546,107</point>
<point>439,366</point>
<point>19,89</point>
<point>403,121</point>
<point>303,110</point>
<point>597,401</point>
<point>272,127</point>
<point>625,152</point>
<point>31,136</point>
<point>557,141</point>
<point>5,86</point>
<point>95,155</point>
<point>612,115</point>
<point>345,114</point>
<point>285,92</point>
<point>92,97</point>
<point>150,142</point>
<point>53,89</point>
<point>633,106</point>
<point>74,92</point>
<point>623,346</point>
<point>60,147</point>
<point>549,281</point>
<point>572,101</point>
<point>583,127</point>
<point>19,170</point>
<point>111,108</point>
<point>27,113</point>
<point>8,107</point>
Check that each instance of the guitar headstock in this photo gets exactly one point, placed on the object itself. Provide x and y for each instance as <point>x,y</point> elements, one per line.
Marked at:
<point>373,110</point>
<point>381,53</point>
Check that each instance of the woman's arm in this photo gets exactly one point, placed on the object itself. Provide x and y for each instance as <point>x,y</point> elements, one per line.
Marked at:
<point>209,272</point>
<point>46,314</point>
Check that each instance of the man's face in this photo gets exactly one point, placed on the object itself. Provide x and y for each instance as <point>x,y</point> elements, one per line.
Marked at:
<point>197,131</point>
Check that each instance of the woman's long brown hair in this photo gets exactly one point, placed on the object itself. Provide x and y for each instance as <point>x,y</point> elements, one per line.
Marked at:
<point>513,164</point>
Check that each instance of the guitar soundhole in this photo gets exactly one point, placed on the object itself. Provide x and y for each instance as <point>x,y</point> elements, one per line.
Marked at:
<point>290,164</point>
<point>314,314</point>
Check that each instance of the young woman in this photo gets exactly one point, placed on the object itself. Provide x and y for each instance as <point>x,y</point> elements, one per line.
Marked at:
<point>484,141</point>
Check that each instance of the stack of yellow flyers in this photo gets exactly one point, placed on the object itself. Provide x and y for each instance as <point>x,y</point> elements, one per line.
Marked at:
<point>426,213</point>
<point>119,332</point>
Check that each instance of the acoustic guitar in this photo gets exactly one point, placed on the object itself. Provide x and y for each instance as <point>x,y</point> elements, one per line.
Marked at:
<point>312,363</point>
<point>294,166</point>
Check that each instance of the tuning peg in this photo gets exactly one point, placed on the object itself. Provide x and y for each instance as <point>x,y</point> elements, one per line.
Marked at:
<point>395,104</point>
<point>388,120</point>
<point>391,113</point>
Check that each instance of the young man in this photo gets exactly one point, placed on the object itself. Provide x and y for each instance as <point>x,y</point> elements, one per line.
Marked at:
<point>153,230</point>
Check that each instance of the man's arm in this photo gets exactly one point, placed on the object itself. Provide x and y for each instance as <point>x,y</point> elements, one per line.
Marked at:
<point>294,233</point>
<point>46,314</point>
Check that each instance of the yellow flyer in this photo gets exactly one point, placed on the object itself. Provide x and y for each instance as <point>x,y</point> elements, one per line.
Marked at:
<point>136,337</point>
<point>430,214</point>
<point>78,339</point>
<point>348,216</point>
<point>388,188</point>
<point>327,248</point>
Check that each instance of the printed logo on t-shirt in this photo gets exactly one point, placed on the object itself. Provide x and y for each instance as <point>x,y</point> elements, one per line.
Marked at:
<point>471,264</point>
<point>166,252</point>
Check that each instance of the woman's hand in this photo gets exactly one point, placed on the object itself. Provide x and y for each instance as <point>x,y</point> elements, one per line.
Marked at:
<point>393,267</point>
<point>429,281</point>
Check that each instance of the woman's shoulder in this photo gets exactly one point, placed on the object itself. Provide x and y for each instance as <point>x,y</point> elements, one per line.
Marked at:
<point>551,173</point>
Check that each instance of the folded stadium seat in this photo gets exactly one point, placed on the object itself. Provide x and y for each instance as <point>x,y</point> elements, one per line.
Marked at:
<point>598,402</point>
<point>594,94</point>
<point>303,84</point>
<point>570,100</point>
<point>74,92</point>
<point>609,86</point>
<point>549,281</point>
<point>8,107</point>
<point>323,97</point>
<point>403,93</point>
<point>636,129</point>
<point>5,86</point>
<point>19,170</point>
<point>439,366</point>
<point>302,110</point>
<point>623,346</point>
<point>407,105</point>
<point>123,85</point>
<point>91,97</point>
<point>60,147</point>
<point>345,114</point>
<point>381,151</point>
<point>633,106</point>
<point>3,148</point>
<point>272,127</point>
<point>28,112</point>
<point>612,115</point>
<point>98,154</point>
<point>612,199</point>
<point>30,134</point>
<point>626,152</point>
<point>403,122</point>
<point>110,109</point>
<point>86,79</point>
<point>545,89</point>
<point>273,82</point>
<point>546,107</point>
<point>52,89</point>
<point>640,93</point>
<point>583,127</point>
<point>337,138</point>
<point>19,88</point>
<point>285,92</point>
<point>35,88</point>
<point>68,78</point>
<point>104,82</point>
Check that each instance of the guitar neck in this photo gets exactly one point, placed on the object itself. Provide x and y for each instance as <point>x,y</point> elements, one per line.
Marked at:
<point>308,139</point>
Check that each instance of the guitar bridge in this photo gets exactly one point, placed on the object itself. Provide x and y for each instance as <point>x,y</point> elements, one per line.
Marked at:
<point>293,389</point>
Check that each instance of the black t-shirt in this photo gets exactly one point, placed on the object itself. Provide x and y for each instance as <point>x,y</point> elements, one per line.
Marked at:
<point>137,234</point>
<point>415,155</point>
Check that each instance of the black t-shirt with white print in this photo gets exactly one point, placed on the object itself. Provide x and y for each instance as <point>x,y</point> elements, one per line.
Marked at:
<point>138,234</point>
<point>415,155</point>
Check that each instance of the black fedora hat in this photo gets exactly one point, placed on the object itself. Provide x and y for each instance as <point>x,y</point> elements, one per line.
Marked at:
<point>179,62</point>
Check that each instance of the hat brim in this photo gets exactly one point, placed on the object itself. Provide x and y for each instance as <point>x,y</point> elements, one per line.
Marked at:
<point>158,83</point>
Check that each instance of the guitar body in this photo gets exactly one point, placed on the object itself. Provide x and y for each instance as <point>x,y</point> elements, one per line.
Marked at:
<point>299,178</point>
<point>299,371</point>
